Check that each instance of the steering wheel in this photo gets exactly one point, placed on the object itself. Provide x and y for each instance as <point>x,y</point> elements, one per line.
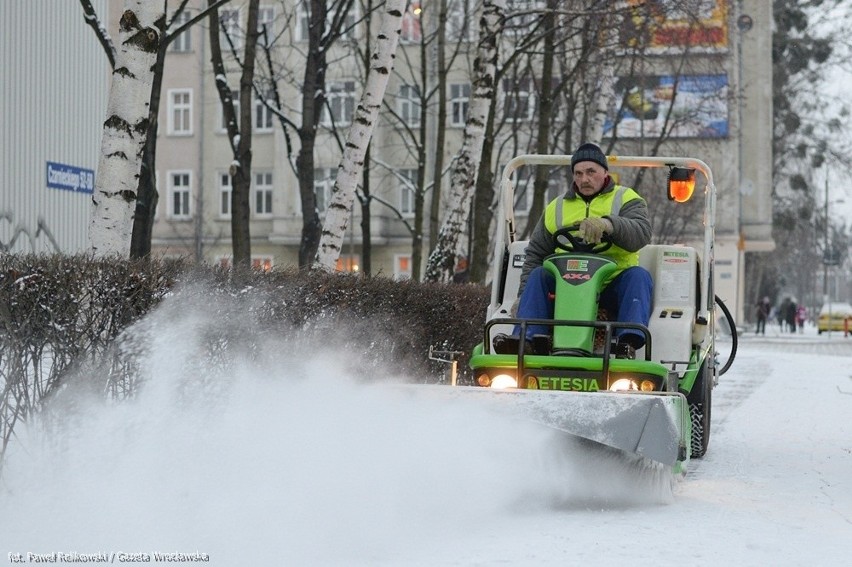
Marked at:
<point>568,238</point>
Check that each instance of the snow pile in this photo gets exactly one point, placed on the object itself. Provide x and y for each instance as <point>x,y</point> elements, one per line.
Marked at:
<point>279,460</point>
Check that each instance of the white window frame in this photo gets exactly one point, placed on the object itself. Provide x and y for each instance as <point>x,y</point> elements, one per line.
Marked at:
<point>515,94</point>
<point>262,193</point>
<point>408,105</point>
<point>184,193</point>
<point>399,271</point>
<point>411,31</point>
<point>157,189</point>
<point>523,192</point>
<point>262,115</point>
<point>265,16</point>
<point>303,19</point>
<point>462,25</point>
<point>225,190</point>
<point>323,183</point>
<point>519,26</point>
<point>526,185</point>
<point>231,18</point>
<point>183,42</point>
<point>340,99</point>
<point>407,188</point>
<point>179,110</point>
<point>459,104</point>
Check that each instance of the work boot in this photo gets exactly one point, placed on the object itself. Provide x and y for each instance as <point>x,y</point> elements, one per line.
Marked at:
<point>508,344</point>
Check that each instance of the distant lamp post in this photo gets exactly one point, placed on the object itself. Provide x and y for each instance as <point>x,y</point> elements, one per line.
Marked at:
<point>744,24</point>
<point>830,253</point>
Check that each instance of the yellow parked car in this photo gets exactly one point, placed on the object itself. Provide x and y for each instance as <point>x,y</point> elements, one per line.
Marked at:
<point>832,317</point>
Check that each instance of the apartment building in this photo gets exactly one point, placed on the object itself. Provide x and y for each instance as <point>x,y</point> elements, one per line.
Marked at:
<point>729,55</point>
<point>194,156</point>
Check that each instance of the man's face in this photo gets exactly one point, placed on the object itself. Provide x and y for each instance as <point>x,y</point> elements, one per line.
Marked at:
<point>589,177</point>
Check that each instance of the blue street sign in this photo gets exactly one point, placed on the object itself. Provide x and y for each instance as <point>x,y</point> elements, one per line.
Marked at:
<point>70,178</point>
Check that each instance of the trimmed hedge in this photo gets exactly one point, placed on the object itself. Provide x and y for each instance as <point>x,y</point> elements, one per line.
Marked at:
<point>64,316</point>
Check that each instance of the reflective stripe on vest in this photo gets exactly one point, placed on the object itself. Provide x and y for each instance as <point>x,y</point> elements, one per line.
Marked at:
<point>617,195</point>
<point>574,210</point>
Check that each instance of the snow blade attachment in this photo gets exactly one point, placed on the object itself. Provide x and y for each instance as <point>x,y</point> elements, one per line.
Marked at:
<point>654,426</point>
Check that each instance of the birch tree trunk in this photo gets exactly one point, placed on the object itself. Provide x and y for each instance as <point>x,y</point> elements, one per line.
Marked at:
<point>441,262</point>
<point>352,163</point>
<point>125,129</point>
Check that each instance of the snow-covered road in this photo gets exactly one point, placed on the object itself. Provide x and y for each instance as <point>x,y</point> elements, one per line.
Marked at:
<point>287,471</point>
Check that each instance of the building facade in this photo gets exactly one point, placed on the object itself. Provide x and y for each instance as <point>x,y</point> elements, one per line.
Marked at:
<point>55,77</point>
<point>55,117</point>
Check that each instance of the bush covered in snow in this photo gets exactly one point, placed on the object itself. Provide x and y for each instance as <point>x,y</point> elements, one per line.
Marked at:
<point>92,319</point>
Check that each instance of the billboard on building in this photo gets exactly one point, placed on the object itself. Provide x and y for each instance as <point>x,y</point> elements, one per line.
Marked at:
<point>692,106</point>
<point>663,26</point>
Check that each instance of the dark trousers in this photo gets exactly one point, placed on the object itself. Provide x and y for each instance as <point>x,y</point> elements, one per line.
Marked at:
<point>628,295</point>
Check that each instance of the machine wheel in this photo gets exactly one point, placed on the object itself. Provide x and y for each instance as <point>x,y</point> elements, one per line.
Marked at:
<point>699,410</point>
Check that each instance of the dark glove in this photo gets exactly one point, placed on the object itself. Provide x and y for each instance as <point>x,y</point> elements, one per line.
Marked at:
<point>592,229</point>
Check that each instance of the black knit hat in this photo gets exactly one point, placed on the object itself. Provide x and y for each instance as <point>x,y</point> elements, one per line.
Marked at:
<point>589,152</point>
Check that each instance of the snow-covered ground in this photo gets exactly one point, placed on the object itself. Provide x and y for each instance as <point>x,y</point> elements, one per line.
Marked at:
<point>295,465</point>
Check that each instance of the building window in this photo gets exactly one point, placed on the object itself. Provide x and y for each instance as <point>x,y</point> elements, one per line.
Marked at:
<point>157,189</point>
<point>229,29</point>
<point>411,32</point>
<point>180,112</point>
<point>235,96</point>
<point>461,25</point>
<point>524,183</point>
<point>340,104</point>
<point>183,42</point>
<point>459,104</point>
<point>262,263</point>
<point>402,266</point>
<point>408,105</point>
<point>180,193</point>
<point>348,263</point>
<point>262,114</point>
<point>225,195</point>
<point>323,183</point>
<point>303,20</point>
<point>518,100</point>
<point>263,194</point>
<point>407,191</point>
<point>524,15</point>
<point>265,18</point>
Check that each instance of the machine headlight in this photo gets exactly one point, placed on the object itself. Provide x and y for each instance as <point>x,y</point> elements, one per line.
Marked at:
<point>623,384</point>
<point>502,381</point>
<point>631,384</point>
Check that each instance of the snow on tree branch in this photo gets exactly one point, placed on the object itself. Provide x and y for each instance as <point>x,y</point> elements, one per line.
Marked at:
<point>352,163</point>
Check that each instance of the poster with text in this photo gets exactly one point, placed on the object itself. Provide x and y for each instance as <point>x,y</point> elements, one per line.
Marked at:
<point>664,26</point>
